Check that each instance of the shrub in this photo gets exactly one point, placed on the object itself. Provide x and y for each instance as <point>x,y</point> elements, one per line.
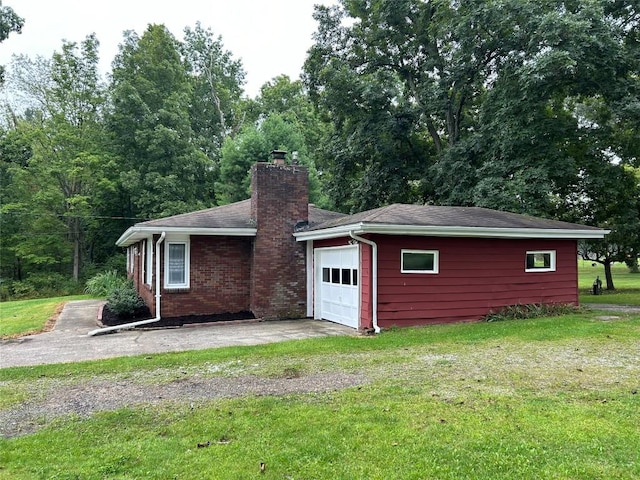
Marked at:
<point>124,300</point>
<point>42,285</point>
<point>102,284</point>
<point>532,310</point>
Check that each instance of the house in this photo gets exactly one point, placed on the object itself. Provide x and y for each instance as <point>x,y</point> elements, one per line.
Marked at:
<point>277,256</point>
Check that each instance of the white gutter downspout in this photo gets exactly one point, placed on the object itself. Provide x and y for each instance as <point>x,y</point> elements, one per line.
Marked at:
<point>113,328</point>
<point>374,274</point>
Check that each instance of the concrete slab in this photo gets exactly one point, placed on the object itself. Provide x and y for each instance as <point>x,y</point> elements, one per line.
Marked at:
<point>69,342</point>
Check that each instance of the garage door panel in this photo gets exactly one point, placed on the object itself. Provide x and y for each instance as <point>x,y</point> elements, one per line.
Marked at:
<point>337,297</point>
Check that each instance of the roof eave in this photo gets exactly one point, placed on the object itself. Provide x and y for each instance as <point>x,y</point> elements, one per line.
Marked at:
<point>451,231</point>
<point>137,232</point>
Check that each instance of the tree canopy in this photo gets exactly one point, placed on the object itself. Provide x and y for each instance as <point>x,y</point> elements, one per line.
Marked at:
<point>529,106</point>
<point>9,22</point>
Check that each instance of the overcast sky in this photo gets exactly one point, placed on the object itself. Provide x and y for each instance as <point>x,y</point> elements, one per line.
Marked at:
<point>271,37</point>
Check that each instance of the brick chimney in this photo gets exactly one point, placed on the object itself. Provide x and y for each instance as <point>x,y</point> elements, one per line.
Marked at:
<point>279,201</point>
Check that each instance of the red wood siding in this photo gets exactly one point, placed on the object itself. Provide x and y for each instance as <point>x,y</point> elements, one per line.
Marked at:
<point>366,286</point>
<point>475,277</point>
<point>331,242</point>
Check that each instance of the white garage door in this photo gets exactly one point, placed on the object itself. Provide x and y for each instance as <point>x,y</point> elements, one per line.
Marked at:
<point>336,281</point>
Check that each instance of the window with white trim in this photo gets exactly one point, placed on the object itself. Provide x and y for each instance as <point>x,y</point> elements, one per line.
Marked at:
<point>540,261</point>
<point>420,261</point>
<point>148,269</point>
<point>143,261</point>
<point>176,267</point>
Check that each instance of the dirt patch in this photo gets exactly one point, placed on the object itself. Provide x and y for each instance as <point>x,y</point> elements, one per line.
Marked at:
<point>51,321</point>
<point>56,398</point>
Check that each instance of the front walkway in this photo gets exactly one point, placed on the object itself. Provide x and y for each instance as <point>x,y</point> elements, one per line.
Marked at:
<point>68,341</point>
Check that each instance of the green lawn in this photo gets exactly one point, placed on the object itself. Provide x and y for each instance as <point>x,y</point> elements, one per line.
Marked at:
<point>550,398</point>
<point>627,284</point>
<point>21,317</point>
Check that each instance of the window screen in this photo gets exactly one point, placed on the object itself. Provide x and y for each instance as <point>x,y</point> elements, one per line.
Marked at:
<point>177,264</point>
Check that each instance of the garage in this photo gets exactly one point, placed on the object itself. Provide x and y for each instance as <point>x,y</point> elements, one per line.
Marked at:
<point>336,279</point>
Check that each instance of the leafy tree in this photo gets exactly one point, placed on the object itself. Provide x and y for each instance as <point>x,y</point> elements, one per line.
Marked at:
<point>163,169</point>
<point>490,93</point>
<point>612,201</point>
<point>280,117</point>
<point>217,80</point>
<point>66,148</point>
<point>254,143</point>
<point>9,22</point>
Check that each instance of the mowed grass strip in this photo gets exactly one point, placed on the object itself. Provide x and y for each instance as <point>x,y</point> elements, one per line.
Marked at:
<point>550,398</point>
<point>24,317</point>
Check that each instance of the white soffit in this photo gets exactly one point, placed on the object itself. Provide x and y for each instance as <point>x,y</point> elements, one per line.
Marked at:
<point>135,234</point>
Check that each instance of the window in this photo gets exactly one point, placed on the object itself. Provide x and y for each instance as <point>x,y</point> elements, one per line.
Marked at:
<point>143,261</point>
<point>129,259</point>
<point>340,276</point>
<point>148,276</point>
<point>542,261</point>
<point>419,261</point>
<point>176,265</point>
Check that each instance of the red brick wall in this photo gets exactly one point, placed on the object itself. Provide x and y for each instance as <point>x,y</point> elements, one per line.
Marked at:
<point>137,276</point>
<point>219,278</point>
<point>279,200</point>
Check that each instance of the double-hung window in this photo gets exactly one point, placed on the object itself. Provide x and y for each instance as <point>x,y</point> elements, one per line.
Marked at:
<point>176,264</point>
<point>540,261</point>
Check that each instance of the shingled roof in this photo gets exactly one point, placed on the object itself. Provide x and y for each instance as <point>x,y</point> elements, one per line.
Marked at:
<point>233,219</point>
<point>401,219</point>
<point>447,220</point>
<point>233,215</point>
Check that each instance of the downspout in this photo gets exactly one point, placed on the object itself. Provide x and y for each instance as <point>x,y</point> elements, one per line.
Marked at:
<point>100,331</point>
<point>374,274</point>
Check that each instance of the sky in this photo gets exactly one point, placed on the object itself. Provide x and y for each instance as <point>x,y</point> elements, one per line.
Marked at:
<point>270,37</point>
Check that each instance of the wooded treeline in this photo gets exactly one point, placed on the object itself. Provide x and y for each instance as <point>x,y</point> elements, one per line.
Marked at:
<point>520,105</point>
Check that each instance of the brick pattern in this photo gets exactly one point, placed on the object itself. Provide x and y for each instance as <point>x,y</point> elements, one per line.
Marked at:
<point>219,279</point>
<point>265,275</point>
<point>279,200</point>
<point>137,276</point>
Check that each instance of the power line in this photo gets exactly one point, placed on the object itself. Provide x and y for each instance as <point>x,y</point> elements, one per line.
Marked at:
<point>65,215</point>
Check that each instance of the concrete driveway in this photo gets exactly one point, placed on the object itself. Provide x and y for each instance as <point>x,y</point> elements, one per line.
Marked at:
<point>69,342</point>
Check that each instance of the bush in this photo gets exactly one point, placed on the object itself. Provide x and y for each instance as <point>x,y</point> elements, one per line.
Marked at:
<point>532,310</point>
<point>102,284</point>
<point>43,285</point>
<point>124,300</point>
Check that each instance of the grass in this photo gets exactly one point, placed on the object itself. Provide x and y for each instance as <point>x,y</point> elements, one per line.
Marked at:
<point>627,284</point>
<point>548,398</point>
<point>23,317</point>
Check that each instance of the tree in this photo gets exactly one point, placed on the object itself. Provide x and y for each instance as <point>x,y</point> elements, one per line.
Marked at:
<point>217,80</point>
<point>163,170</point>
<point>9,22</point>
<point>615,207</point>
<point>492,89</point>
<point>66,144</point>
<point>254,143</point>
